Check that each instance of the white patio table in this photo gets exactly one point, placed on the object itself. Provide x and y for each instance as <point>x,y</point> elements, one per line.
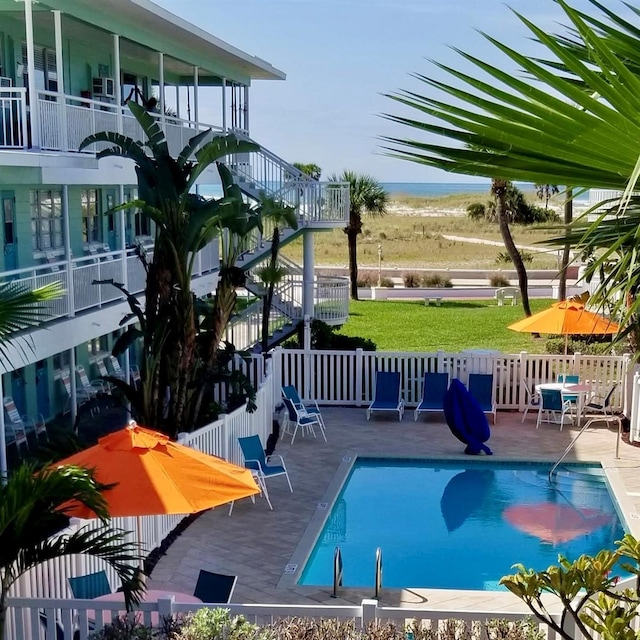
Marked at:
<point>581,391</point>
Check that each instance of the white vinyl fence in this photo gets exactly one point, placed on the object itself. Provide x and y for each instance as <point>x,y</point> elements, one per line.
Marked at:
<point>347,378</point>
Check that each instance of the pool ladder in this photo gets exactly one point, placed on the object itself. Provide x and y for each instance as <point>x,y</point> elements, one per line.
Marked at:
<point>338,572</point>
<point>604,418</point>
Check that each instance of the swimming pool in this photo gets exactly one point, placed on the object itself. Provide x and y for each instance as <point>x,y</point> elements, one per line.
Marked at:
<point>460,524</point>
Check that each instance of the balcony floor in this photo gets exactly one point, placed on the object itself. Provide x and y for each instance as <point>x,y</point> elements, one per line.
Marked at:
<point>256,544</point>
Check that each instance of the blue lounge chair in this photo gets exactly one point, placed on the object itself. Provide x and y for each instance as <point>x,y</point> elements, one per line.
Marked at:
<point>481,388</point>
<point>254,458</point>
<point>214,588</point>
<point>387,394</point>
<point>434,386</point>
<point>310,406</point>
<point>300,419</point>
<point>90,586</point>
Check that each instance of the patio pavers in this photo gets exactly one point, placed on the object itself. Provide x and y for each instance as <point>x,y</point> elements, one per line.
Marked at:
<point>256,544</point>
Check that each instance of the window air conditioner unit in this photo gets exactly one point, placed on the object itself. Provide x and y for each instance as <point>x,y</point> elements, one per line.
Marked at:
<point>6,82</point>
<point>104,88</point>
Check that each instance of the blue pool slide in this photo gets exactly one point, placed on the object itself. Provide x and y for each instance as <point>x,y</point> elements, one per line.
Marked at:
<point>466,419</point>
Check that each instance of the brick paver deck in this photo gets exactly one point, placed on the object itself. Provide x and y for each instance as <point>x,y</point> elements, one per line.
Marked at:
<point>256,544</point>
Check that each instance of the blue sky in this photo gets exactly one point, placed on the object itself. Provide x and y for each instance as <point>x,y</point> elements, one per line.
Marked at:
<point>341,55</point>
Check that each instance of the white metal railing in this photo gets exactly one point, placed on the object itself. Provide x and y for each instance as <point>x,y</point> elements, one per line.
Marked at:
<point>13,118</point>
<point>220,438</point>
<point>73,615</point>
<point>112,265</point>
<point>331,305</point>
<point>80,117</point>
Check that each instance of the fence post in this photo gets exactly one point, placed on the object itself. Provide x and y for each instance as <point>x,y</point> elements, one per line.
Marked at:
<point>523,375</point>
<point>226,435</point>
<point>359,379</point>
<point>165,606</point>
<point>369,612</point>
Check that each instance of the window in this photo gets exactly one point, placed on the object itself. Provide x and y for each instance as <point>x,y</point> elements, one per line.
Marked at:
<point>91,228</point>
<point>45,66</point>
<point>46,219</point>
<point>62,360</point>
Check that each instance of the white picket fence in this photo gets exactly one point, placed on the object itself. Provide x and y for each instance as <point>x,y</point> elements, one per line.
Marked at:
<point>348,378</point>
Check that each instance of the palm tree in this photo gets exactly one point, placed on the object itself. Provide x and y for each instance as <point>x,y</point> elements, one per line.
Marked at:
<point>23,308</point>
<point>33,512</point>
<point>499,191</point>
<point>573,120</point>
<point>545,191</point>
<point>272,273</point>
<point>311,169</point>
<point>185,223</point>
<point>366,196</point>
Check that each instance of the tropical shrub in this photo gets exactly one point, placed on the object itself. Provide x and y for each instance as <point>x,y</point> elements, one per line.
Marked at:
<point>595,346</point>
<point>324,336</point>
<point>411,279</point>
<point>436,280</point>
<point>498,280</point>
<point>126,628</point>
<point>503,257</point>
<point>367,279</point>
<point>217,624</point>
<point>476,211</point>
<point>386,282</point>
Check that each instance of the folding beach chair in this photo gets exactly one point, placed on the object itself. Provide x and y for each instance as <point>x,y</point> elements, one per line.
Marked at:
<point>434,386</point>
<point>254,458</point>
<point>481,388</point>
<point>309,406</point>
<point>387,394</point>
<point>300,419</point>
<point>552,403</point>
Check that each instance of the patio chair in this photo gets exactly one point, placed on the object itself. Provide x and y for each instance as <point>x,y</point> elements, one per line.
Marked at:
<point>298,418</point>
<point>115,366</point>
<point>552,403</point>
<point>90,586</point>
<point>214,588</point>
<point>481,388</point>
<point>434,386</point>
<point>254,458</point>
<point>569,380</point>
<point>310,406</point>
<point>24,423</point>
<point>104,373</point>
<point>15,436</point>
<point>91,387</point>
<point>82,396</point>
<point>387,394</point>
<point>532,397</point>
<point>600,404</point>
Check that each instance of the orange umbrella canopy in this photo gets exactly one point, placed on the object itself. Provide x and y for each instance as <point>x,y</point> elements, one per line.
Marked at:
<point>566,318</point>
<point>158,476</point>
<point>555,523</point>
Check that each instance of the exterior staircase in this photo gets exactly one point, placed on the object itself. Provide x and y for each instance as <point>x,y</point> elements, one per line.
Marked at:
<point>318,205</point>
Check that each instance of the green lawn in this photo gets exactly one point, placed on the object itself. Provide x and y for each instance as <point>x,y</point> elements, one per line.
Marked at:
<point>456,325</point>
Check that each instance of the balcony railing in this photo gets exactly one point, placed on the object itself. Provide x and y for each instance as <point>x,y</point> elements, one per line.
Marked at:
<point>13,118</point>
<point>80,294</point>
<point>65,121</point>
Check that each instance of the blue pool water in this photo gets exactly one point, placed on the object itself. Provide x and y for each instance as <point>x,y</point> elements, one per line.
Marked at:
<point>460,524</point>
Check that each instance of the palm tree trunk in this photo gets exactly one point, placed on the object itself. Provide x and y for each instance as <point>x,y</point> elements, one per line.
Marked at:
<point>268,298</point>
<point>3,612</point>
<point>499,189</point>
<point>352,238</point>
<point>566,250</point>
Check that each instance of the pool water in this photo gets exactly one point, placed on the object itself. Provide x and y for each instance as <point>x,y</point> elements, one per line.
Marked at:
<point>460,524</point>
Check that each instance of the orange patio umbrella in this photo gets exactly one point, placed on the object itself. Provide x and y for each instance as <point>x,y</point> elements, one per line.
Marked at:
<point>567,318</point>
<point>155,475</point>
<point>555,523</point>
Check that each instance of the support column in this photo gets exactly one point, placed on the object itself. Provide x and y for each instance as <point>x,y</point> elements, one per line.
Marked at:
<point>224,105</point>
<point>31,70</point>
<point>117,85</point>
<point>196,98</point>
<point>161,88</point>
<point>178,100</point>
<point>308,288</point>
<point>67,251</point>
<point>62,103</point>
<point>3,443</point>
<point>245,107</point>
<point>125,277</point>
<point>73,402</point>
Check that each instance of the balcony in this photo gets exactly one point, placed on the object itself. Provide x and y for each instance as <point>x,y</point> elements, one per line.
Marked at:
<point>81,294</point>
